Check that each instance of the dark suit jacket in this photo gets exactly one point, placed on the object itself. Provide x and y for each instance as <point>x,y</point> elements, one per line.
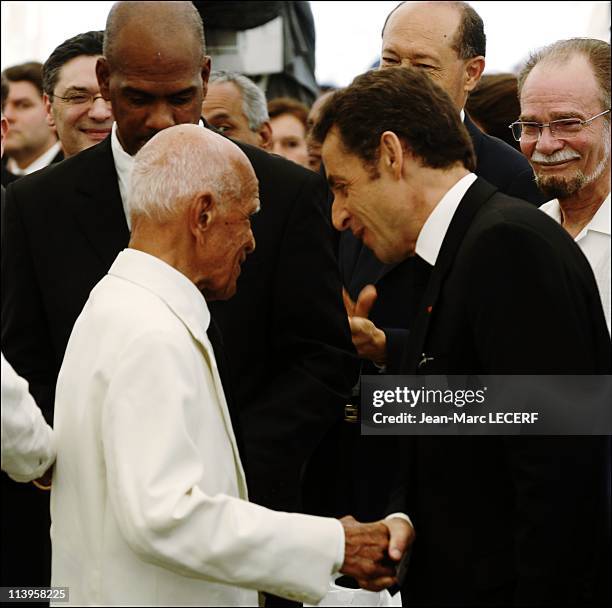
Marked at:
<point>285,332</point>
<point>400,285</point>
<point>7,177</point>
<point>510,293</point>
<point>363,484</point>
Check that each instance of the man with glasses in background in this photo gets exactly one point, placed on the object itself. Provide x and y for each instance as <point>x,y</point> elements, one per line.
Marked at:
<point>81,116</point>
<point>564,131</point>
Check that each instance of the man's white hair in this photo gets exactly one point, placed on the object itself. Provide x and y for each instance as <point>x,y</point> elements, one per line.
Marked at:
<point>180,163</point>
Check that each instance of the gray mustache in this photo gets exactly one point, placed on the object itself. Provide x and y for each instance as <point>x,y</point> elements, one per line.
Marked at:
<point>556,157</point>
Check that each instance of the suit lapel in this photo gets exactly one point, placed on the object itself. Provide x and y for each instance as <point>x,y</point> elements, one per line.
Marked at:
<point>476,196</point>
<point>98,207</point>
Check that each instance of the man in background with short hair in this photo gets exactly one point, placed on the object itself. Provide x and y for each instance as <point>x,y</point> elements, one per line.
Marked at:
<point>75,108</point>
<point>237,107</point>
<point>31,143</point>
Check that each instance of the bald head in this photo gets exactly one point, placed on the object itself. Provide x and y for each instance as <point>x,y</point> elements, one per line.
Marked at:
<point>468,37</point>
<point>154,71</point>
<point>191,198</point>
<point>180,163</point>
<point>445,40</point>
<point>162,21</point>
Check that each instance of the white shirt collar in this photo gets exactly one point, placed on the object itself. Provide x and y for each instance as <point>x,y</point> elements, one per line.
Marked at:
<point>40,163</point>
<point>434,230</point>
<point>173,287</point>
<point>600,222</point>
<point>123,165</point>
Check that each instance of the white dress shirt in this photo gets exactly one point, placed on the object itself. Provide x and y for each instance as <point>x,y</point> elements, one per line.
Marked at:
<point>149,501</point>
<point>28,445</point>
<point>123,165</point>
<point>40,163</point>
<point>435,227</point>
<point>594,240</point>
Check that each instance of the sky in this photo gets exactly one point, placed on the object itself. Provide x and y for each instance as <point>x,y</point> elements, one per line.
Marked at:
<point>348,33</point>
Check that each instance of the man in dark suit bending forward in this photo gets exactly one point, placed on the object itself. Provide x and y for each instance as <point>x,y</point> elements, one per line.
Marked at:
<point>499,521</point>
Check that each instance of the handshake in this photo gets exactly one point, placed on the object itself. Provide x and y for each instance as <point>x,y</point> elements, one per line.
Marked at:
<point>373,551</point>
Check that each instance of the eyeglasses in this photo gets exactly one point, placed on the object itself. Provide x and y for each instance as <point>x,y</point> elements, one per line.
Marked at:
<point>565,128</point>
<point>79,98</point>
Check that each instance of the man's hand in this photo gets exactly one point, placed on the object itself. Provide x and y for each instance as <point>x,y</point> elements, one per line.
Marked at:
<point>401,535</point>
<point>44,482</point>
<point>366,552</point>
<point>369,341</point>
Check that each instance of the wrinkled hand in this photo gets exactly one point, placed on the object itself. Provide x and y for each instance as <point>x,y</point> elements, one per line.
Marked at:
<point>366,553</point>
<point>369,341</point>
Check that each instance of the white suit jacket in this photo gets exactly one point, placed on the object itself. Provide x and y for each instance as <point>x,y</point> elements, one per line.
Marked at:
<point>148,503</point>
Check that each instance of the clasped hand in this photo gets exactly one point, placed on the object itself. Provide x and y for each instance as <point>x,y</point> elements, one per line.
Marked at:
<point>372,551</point>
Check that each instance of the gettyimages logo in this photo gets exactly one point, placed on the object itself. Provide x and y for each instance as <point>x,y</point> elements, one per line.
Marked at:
<point>486,405</point>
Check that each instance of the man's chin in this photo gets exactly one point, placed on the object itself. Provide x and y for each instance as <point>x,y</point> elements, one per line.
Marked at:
<point>559,187</point>
<point>386,257</point>
<point>212,295</point>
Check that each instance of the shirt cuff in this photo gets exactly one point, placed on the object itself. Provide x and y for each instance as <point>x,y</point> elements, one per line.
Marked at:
<point>340,550</point>
<point>401,516</point>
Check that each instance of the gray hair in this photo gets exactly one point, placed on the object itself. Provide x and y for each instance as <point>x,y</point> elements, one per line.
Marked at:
<point>254,104</point>
<point>177,165</point>
<point>597,53</point>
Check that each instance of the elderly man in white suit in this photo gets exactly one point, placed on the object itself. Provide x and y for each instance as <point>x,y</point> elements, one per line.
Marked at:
<point>149,501</point>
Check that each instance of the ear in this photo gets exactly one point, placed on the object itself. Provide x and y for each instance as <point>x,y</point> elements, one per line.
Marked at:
<point>391,154</point>
<point>265,136</point>
<point>201,214</point>
<point>473,71</point>
<point>4,131</point>
<point>205,73</point>
<point>103,76</point>
<point>49,110</point>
